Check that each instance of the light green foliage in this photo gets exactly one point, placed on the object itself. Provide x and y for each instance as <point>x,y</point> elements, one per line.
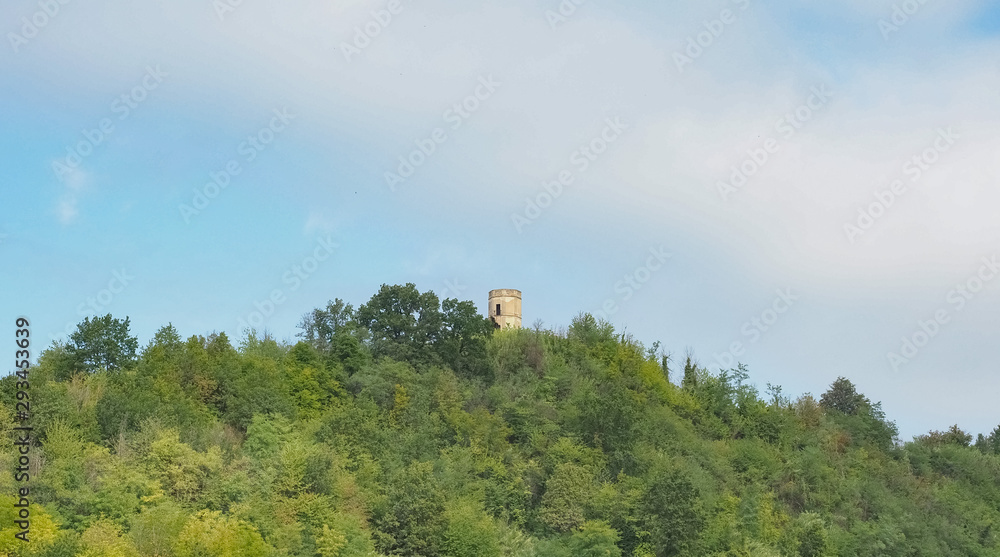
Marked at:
<point>567,492</point>
<point>471,533</point>
<point>330,543</point>
<point>345,536</point>
<point>43,534</point>
<point>155,530</point>
<point>183,472</point>
<point>595,539</point>
<point>209,534</point>
<point>105,539</point>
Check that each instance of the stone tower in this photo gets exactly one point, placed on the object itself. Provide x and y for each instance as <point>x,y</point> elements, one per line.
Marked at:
<point>505,308</point>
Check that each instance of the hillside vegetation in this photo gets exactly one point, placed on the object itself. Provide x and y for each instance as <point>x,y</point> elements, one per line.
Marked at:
<point>408,426</point>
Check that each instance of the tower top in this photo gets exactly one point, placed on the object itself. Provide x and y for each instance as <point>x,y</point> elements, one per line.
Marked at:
<point>505,292</point>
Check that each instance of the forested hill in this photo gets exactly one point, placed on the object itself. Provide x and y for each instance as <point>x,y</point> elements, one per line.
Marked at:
<point>408,426</point>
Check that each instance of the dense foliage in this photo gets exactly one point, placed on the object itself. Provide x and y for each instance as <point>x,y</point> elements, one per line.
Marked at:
<point>410,427</point>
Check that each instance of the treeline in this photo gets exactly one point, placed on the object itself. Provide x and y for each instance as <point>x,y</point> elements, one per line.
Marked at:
<point>409,426</point>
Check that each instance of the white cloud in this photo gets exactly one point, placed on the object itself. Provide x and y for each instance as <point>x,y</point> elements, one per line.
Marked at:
<point>559,84</point>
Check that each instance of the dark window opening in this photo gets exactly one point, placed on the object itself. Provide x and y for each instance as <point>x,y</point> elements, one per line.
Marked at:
<point>498,309</point>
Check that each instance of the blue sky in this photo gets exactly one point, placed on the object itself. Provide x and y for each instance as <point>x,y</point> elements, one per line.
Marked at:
<point>658,138</point>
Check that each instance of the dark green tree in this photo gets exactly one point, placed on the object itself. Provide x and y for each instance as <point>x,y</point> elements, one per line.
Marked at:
<point>412,519</point>
<point>690,380</point>
<point>462,344</point>
<point>954,436</point>
<point>989,444</point>
<point>843,397</point>
<point>102,342</point>
<point>670,513</point>
<point>404,323</point>
<point>813,540</point>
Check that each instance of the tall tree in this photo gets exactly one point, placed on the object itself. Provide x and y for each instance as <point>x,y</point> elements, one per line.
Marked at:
<point>404,323</point>
<point>690,379</point>
<point>321,324</point>
<point>102,342</point>
<point>462,344</point>
<point>844,397</point>
<point>670,512</point>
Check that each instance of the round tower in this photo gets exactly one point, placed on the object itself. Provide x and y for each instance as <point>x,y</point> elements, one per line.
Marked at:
<point>505,308</point>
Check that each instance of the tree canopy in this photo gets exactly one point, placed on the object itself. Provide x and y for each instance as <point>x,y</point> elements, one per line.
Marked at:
<point>410,427</point>
<point>102,342</point>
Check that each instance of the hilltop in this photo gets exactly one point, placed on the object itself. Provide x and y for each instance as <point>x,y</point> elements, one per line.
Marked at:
<point>409,426</point>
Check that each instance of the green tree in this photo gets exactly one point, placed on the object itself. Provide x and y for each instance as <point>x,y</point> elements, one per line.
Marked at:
<point>102,342</point>
<point>953,436</point>
<point>989,444</point>
<point>156,529</point>
<point>595,539</point>
<point>690,380</point>
<point>609,416</point>
<point>404,323</point>
<point>471,533</point>
<point>462,344</point>
<point>843,397</point>
<point>168,340</point>
<point>321,324</point>
<point>591,331</point>
<point>812,538</point>
<point>567,492</point>
<point>412,520</point>
<point>209,534</point>
<point>670,512</point>
<point>105,539</point>
<point>44,530</point>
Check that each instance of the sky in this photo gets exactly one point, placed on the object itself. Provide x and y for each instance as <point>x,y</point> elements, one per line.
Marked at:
<point>810,190</point>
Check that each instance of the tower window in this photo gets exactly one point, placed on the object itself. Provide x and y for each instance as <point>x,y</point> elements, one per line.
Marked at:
<point>498,309</point>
